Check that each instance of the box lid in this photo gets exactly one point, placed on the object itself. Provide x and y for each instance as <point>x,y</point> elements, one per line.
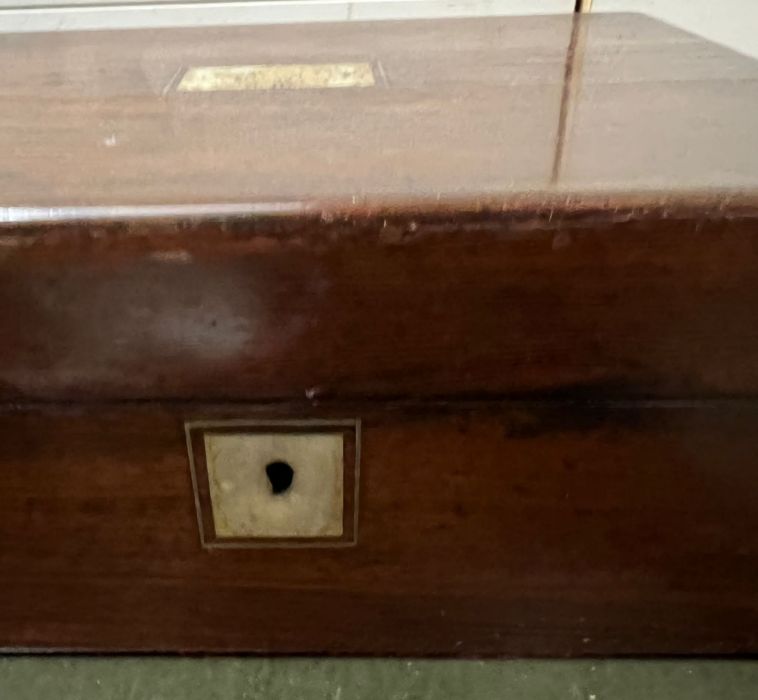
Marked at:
<point>501,112</point>
<point>469,208</point>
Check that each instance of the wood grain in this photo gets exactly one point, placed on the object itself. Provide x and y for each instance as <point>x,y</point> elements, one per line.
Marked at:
<point>475,224</point>
<point>91,122</point>
<point>526,259</point>
<point>478,304</point>
<point>552,529</point>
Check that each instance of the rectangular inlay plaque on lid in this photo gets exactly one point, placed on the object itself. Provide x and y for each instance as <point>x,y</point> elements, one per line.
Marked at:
<point>287,76</point>
<point>275,483</point>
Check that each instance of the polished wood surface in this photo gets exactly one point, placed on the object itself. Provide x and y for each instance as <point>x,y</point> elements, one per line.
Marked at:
<point>422,306</point>
<point>468,109</point>
<point>537,204</point>
<point>554,529</point>
<point>527,262</point>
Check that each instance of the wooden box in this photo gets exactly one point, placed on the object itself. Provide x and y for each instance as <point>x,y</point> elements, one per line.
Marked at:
<point>504,271</point>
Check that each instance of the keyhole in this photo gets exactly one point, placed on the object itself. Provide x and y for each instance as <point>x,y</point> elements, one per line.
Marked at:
<point>280,475</point>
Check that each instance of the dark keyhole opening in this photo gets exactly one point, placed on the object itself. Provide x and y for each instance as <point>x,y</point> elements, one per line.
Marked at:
<point>280,476</point>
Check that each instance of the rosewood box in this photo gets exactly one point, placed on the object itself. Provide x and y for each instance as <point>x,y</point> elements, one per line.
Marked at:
<point>422,338</point>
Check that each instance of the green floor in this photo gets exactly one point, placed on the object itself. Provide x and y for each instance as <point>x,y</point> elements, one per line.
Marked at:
<point>57,678</point>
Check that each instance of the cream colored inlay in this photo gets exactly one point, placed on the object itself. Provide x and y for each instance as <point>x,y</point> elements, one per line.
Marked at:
<point>292,76</point>
<point>243,502</point>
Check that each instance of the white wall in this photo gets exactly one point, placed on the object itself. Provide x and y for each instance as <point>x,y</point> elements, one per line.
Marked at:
<point>53,15</point>
<point>730,22</point>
